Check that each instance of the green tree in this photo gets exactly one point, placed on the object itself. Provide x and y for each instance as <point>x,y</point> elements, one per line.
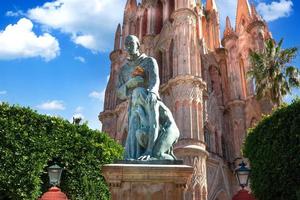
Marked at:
<point>273,148</point>
<point>30,142</point>
<point>272,71</point>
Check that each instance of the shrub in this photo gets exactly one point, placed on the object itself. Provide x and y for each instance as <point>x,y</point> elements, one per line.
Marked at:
<point>30,142</point>
<point>273,149</point>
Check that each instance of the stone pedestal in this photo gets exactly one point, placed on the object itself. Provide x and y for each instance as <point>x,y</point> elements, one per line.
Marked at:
<point>147,182</point>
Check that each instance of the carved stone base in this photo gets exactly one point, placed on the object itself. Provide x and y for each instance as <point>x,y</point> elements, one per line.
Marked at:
<point>147,182</point>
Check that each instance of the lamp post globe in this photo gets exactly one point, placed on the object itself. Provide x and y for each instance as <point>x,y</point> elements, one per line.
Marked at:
<point>242,174</point>
<point>54,173</point>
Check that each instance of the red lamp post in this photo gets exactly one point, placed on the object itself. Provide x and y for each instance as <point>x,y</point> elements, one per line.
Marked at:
<point>242,175</point>
<point>243,195</point>
<point>54,193</point>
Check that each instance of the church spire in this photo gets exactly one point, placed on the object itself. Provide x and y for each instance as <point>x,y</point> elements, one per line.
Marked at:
<point>211,5</point>
<point>253,9</point>
<point>254,13</point>
<point>118,38</point>
<point>131,5</point>
<point>243,13</point>
<point>228,29</point>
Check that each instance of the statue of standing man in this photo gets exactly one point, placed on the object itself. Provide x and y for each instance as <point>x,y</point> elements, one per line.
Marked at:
<point>152,130</point>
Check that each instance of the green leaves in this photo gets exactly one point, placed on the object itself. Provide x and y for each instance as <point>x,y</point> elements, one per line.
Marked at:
<point>273,76</point>
<point>273,149</point>
<point>30,142</point>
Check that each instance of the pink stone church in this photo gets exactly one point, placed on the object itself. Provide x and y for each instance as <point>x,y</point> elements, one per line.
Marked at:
<point>203,82</point>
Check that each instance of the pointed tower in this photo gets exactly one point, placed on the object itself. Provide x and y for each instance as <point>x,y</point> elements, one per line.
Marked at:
<point>118,38</point>
<point>131,6</point>
<point>211,5</point>
<point>243,15</point>
<point>228,29</point>
<point>213,25</point>
<point>258,29</point>
<point>185,89</point>
<point>129,24</point>
<point>108,117</point>
<point>255,15</point>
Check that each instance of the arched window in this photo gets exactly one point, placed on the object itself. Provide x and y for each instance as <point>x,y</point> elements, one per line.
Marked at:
<point>243,22</point>
<point>138,24</point>
<point>207,138</point>
<point>158,17</point>
<point>204,29</point>
<point>242,25</point>
<point>217,145</point>
<point>224,149</point>
<point>216,83</point>
<point>171,63</point>
<point>132,28</point>
<point>243,78</point>
<point>159,59</point>
<point>171,7</point>
<point>145,23</point>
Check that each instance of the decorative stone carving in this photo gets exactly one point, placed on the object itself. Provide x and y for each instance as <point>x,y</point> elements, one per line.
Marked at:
<point>157,182</point>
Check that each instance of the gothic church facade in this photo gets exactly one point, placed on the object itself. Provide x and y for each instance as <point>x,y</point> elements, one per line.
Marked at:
<point>203,82</point>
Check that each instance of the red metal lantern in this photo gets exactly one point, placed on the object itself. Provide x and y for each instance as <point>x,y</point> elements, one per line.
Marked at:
<point>54,193</point>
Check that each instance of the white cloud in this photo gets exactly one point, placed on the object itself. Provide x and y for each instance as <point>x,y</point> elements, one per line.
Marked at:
<point>90,24</point>
<point>80,59</point>
<point>3,92</point>
<point>269,12</point>
<point>14,14</point>
<point>19,41</point>
<point>275,10</point>
<point>98,95</point>
<point>79,109</point>
<point>52,105</point>
<point>87,41</point>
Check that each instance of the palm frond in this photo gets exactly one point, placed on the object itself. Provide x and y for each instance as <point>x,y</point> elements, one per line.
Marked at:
<point>270,70</point>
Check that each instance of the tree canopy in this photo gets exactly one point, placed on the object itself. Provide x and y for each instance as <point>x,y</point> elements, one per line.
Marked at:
<point>273,149</point>
<point>31,142</point>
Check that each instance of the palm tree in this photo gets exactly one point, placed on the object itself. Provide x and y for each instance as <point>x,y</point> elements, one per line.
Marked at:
<point>272,71</point>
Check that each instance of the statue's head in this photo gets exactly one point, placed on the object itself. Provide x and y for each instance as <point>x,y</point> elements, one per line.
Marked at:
<point>132,45</point>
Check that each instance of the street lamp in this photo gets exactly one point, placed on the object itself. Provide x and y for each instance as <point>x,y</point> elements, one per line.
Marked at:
<point>54,173</point>
<point>242,173</point>
<point>54,192</point>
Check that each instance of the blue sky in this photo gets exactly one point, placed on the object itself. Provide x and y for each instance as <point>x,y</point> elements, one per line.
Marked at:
<point>54,55</point>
